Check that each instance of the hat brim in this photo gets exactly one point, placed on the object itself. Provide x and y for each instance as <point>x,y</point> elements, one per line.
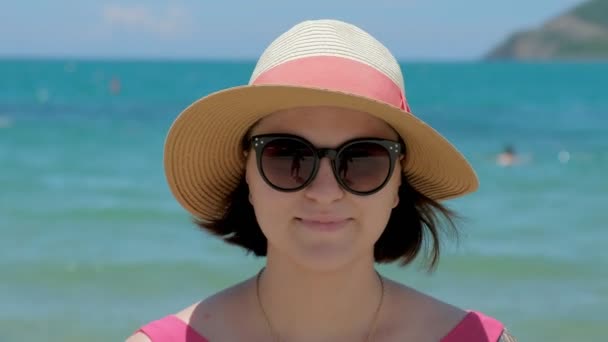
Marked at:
<point>204,161</point>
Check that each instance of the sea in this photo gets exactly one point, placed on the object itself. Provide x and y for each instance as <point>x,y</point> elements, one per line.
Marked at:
<point>93,245</point>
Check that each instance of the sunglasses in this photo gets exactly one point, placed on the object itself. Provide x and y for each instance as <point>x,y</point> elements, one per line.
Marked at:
<point>290,163</point>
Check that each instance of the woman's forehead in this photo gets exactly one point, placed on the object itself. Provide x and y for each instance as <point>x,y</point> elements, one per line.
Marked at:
<point>325,124</point>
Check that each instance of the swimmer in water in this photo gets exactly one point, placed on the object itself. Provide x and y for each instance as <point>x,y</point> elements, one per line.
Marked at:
<point>507,157</point>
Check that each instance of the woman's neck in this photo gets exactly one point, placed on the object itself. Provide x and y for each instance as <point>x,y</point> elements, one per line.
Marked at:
<point>302,303</point>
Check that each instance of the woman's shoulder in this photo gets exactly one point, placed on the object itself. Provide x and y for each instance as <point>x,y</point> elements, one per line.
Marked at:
<point>202,321</point>
<point>426,314</point>
<point>166,329</point>
<point>412,315</point>
<point>214,314</point>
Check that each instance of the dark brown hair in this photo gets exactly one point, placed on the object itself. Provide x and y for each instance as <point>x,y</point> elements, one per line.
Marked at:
<point>413,227</point>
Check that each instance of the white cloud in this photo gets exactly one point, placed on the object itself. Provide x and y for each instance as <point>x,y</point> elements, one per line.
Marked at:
<point>170,21</point>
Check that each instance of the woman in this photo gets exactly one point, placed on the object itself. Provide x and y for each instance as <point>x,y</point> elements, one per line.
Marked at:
<point>318,165</point>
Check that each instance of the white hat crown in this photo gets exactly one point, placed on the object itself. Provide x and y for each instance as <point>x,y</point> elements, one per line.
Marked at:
<point>328,37</point>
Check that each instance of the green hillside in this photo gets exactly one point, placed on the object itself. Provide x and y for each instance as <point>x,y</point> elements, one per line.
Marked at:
<point>595,11</point>
<point>581,33</point>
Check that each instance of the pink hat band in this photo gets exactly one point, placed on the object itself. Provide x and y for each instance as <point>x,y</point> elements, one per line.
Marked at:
<point>336,74</point>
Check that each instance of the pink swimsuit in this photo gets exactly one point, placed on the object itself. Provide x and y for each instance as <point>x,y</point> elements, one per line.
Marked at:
<point>475,327</point>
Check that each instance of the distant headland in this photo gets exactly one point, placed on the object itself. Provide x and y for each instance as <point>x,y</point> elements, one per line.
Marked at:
<point>579,34</point>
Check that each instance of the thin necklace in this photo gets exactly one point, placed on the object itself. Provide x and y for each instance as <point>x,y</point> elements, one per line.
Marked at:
<point>276,336</point>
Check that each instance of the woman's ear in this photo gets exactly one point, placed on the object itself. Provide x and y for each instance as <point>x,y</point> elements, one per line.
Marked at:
<point>246,155</point>
<point>396,194</point>
<point>247,175</point>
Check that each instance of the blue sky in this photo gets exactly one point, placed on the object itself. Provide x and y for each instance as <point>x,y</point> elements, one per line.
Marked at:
<point>412,29</point>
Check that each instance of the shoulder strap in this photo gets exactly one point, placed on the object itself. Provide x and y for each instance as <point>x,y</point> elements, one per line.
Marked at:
<point>171,329</point>
<point>476,327</point>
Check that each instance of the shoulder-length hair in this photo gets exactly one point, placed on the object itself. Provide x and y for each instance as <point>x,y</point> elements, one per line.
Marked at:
<point>413,228</point>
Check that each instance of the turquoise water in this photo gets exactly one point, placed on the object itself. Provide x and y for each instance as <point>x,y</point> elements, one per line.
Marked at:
<point>92,245</point>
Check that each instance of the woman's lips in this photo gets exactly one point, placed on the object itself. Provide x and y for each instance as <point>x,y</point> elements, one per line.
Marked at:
<point>324,225</point>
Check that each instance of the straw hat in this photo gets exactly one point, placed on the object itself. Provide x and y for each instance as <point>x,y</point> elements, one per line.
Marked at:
<point>315,63</point>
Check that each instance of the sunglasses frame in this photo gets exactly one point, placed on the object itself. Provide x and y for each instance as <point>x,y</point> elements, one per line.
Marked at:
<point>395,149</point>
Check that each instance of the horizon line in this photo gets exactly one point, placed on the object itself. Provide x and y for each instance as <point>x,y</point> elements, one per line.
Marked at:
<point>235,59</point>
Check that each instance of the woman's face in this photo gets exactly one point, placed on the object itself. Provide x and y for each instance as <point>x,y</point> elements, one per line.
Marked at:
<point>322,226</point>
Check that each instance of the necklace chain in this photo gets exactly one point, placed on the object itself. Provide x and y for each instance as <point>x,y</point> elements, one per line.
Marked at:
<point>276,336</point>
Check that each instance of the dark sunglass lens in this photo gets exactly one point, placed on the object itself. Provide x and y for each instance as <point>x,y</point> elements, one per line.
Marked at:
<point>287,163</point>
<point>364,166</point>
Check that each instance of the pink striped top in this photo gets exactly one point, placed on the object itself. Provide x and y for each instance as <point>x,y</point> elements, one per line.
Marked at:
<point>474,327</point>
